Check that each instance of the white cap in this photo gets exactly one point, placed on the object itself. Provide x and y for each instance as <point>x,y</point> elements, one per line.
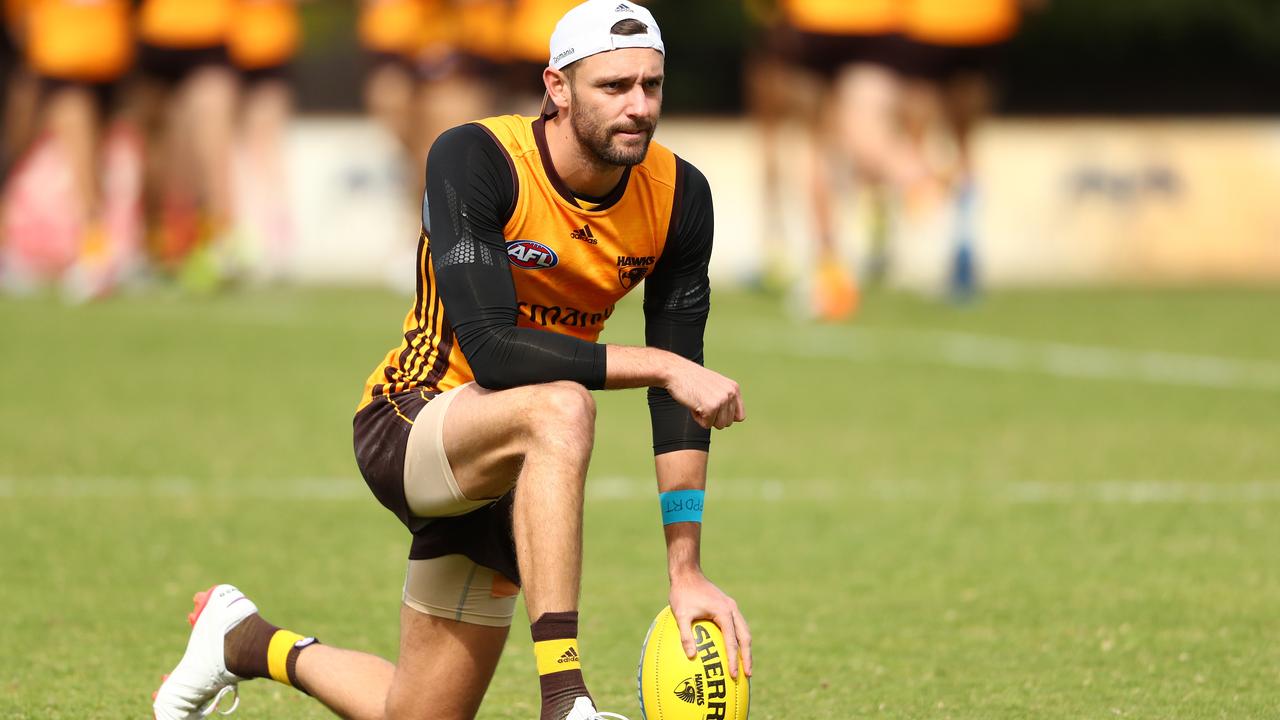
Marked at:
<point>584,31</point>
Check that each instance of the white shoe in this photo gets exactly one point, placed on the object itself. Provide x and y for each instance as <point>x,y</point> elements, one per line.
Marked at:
<point>584,710</point>
<point>201,680</point>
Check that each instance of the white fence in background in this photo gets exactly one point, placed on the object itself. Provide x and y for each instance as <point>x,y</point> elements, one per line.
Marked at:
<point>1061,202</point>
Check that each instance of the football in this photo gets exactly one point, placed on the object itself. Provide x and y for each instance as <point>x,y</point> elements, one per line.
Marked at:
<point>673,687</point>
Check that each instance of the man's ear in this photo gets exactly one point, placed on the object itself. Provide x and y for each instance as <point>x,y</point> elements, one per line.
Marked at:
<point>558,87</point>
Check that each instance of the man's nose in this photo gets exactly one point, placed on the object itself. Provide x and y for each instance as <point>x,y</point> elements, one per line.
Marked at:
<point>637,102</point>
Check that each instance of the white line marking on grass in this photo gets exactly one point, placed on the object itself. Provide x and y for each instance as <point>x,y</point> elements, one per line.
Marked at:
<point>108,487</point>
<point>1144,492</point>
<point>614,488</point>
<point>617,487</point>
<point>990,352</point>
<point>599,489</point>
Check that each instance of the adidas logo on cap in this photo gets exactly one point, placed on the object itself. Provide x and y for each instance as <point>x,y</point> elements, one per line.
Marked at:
<point>624,8</point>
<point>569,656</point>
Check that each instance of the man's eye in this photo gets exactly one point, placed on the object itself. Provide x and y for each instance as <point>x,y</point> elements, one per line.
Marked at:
<point>612,85</point>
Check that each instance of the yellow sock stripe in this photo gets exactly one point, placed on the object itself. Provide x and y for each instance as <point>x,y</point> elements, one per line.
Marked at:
<point>557,656</point>
<point>278,654</point>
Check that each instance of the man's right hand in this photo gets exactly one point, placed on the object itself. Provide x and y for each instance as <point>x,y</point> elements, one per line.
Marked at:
<point>714,400</point>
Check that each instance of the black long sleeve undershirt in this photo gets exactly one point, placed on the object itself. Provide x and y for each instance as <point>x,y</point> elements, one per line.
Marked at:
<point>470,196</point>
<point>677,300</point>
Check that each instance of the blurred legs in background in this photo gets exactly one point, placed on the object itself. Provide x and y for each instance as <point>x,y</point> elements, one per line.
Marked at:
<point>189,102</point>
<point>867,111</point>
<point>768,86</point>
<point>264,40</point>
<point>262,206</point>
<point>447,97</point>
<point>388,96</point>
<point>853,132</point>
<point>18,88</point>
<point>57,219</point>
<point>835,287</point>
<point>952,60</point>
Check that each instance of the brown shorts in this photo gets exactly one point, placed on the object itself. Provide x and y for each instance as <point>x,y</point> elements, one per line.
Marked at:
<point>824,55</point>
<point>171,66</point>
<point>941,63</point>
<point>399,449</point>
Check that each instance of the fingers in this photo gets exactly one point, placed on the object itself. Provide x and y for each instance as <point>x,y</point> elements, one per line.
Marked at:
<point>730,410</point>
<point>728,629</point>
<point>685,623</point>
<point>724,416</point>
<point>734,410</point>
<point>722,412</point>
<point>744,639</point>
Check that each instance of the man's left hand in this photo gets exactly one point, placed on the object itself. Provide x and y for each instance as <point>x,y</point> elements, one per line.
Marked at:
<point>694,597</point>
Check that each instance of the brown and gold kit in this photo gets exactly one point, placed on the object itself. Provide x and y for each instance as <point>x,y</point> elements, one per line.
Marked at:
<point>570,265</point>
<point>517,277</point>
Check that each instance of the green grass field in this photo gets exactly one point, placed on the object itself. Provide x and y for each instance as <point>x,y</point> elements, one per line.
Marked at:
<point>1052,505</point>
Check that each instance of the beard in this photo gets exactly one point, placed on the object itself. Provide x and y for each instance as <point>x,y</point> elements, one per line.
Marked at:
<point>601,141</point>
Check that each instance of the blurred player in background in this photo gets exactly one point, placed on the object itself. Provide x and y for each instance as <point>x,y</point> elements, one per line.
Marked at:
<point>470,87</point>
<point>189,105</point>
<point>265,38</point>
<point>850,50</point>
<point>391,32</point>
<point>17,87</point>
<point>424,77</point>
<point>62,204</point>
<point>528,33</point>
<point>955,54</point>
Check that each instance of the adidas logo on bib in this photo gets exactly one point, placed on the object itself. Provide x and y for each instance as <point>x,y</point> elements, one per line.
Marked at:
<point>584,235</point>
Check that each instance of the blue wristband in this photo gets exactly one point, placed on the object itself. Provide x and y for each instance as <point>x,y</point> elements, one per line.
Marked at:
<point>681,506</point>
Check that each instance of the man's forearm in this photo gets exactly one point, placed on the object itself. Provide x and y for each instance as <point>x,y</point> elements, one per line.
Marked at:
<point>682,470</point>
<point>634,367</point>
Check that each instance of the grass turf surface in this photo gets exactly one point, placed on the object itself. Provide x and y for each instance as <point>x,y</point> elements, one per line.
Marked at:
<point>931,513</point>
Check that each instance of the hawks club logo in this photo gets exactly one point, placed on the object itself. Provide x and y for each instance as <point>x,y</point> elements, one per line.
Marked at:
<point>691,691</point>
<point>632,270</point>
<point>531,255</point>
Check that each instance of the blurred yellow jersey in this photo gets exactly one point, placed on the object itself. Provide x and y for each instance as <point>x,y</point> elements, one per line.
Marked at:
<point>482,28</point>
<point>81,40</point>
<point>265,33</point>
<point>845,17</point>
<point>186,23</point>
<point>961,22</point>
<point>532,22</point>
<point>403,27</point>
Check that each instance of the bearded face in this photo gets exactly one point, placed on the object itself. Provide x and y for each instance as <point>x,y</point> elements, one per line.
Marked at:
<point>615,99</point>
<point>623,142</point>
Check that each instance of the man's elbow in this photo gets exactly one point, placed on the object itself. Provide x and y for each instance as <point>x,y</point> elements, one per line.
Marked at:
<point>482,347</point>
<point>490,374</point>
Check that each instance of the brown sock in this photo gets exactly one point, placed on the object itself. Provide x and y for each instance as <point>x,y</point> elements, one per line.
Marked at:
<point>250,647</point>
<point>555,645</point>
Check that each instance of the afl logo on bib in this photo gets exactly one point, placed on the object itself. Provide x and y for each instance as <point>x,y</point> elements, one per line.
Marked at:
<point>531,255</point>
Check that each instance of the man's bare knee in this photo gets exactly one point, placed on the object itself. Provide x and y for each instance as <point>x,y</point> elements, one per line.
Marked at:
<point>560,407</point>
